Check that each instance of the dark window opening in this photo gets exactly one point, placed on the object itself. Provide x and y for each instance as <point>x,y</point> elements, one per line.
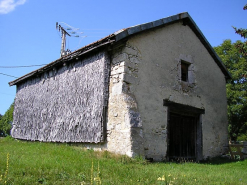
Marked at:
<point>184,71</point>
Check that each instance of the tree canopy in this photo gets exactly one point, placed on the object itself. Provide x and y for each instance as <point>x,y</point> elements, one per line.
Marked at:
<point>236,88</point>
<point>242,46</point>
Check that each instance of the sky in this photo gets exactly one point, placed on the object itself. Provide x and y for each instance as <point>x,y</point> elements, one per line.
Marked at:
<point>28,34</point>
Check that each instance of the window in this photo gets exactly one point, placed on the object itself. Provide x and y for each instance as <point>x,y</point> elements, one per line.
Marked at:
<point>184,71</point>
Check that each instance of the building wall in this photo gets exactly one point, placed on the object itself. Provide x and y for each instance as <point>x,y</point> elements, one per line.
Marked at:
<point>65,104</point>
<point>149,72</point>
<point>124,126</point>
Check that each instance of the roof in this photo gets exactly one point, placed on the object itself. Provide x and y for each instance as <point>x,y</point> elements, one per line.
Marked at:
<point>125,33</point>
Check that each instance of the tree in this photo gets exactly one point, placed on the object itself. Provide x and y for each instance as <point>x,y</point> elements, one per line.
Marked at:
<point>6,121</point>
<point>242,47</point>
<point>236,88</point>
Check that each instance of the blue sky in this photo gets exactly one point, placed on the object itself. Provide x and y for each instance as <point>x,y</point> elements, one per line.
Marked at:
<point>28,34</point>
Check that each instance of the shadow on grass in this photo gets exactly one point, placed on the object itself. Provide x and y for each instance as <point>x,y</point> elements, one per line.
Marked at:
<point>210,161</point>
<point>219,160</point>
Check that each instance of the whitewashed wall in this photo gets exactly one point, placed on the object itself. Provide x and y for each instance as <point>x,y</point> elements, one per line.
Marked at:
<point>158,79</point>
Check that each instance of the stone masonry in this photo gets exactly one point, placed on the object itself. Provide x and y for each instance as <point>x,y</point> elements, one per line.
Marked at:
<point>124,127</point>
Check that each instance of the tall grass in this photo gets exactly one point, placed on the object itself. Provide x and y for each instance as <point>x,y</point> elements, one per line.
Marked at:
<point>4,178</point>
<point>51,163</point>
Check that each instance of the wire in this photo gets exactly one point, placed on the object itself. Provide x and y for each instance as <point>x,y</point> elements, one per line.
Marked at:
<point>8,75</point>
<point>21,66</point>
<point>101,29</point>
<point>69,26</point>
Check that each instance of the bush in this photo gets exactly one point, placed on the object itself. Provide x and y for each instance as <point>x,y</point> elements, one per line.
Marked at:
<point>242,137</point>
<point>6,121</point>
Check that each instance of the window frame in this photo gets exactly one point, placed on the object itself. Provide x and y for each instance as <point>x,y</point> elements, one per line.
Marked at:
<point>184,71</point>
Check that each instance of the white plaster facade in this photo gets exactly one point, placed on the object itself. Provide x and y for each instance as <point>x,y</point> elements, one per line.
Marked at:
<point>145,71</point>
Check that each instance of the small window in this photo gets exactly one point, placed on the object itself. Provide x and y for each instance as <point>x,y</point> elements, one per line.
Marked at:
<point>184,71</point>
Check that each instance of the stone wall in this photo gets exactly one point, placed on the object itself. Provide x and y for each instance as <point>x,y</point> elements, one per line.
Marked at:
<point>65,104</point>
<point>124,128</point>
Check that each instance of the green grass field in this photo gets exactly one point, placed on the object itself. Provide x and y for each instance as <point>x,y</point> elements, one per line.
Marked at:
<point>51,163</point>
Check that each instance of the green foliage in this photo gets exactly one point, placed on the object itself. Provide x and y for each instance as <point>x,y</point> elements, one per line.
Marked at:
<point>236,88</point>
<point>245,7</point>
<point>52,163</point>
<point>242,137</point>
<point>242,46</point>
<point>6,121</point>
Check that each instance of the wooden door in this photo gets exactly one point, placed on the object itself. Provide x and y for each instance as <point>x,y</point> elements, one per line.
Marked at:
<point>182,136</point>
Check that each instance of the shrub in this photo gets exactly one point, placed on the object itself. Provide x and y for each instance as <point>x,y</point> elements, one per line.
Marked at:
<point>6,121</point>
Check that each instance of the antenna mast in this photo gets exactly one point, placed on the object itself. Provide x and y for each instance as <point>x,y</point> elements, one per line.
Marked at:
<point>64,33</point>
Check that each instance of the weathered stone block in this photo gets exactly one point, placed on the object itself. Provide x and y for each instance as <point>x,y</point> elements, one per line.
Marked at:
<point>130,79</point>
<point>146,26</point>
<point>134,60</point>
<point>127,63</point>
<point>158,22</point>
<point>135,120</point>
<point>119,58</point>
<point>131,51</point>
<point>133,30</point>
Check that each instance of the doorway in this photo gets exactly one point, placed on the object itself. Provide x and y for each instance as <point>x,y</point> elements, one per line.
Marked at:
<point>182,136</point>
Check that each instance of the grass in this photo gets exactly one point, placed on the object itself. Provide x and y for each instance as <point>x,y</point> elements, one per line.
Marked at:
<point>51,163</point>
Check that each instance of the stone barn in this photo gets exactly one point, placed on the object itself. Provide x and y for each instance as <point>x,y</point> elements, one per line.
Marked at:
<point>156,90</point>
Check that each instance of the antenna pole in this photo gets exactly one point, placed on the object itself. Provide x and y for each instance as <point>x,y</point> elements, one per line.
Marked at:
<point>62,52</point>
<point>64,33</point>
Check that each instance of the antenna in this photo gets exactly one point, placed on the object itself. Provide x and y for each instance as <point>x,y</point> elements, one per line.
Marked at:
<point>72,32</point>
